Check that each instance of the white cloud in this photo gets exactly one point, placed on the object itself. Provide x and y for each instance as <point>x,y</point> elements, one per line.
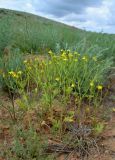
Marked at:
<point>92,15</point>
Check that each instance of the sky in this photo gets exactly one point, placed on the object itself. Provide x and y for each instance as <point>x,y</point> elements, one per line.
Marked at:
<point>91,15</point>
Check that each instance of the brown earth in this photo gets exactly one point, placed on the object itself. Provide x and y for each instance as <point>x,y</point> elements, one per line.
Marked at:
<point>106,144</point>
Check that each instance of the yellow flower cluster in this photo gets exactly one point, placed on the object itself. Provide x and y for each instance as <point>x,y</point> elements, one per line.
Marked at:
<point>14,74</point>
<point>99,87</point>
<point>64,56</point>
<point>28,64</point>
<point>85,58</point>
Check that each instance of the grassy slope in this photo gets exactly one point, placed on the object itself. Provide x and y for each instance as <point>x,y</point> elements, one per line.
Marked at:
<point>33,33</point>
<point>26,31</point>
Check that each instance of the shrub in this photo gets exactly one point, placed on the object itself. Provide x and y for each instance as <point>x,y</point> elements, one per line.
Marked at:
<point>11,68</point>
<point>62,76</point>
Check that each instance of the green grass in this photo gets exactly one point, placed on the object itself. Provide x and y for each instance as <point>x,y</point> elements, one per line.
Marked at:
<point>36,34</point>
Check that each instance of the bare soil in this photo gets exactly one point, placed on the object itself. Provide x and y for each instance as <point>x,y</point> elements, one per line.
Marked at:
<point>106,144</point>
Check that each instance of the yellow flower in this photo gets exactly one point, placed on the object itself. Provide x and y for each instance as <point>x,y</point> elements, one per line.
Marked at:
<point>84,58</point>
<point>99,87</point>
<point>91,84</point>
<point>13,74</point>
<point>50,53</point>
<point>63,54</point>
<point>65,59</point>
<point>19,72</point>
<point>57,79</point>
<point>73,85</point>
<point>25,61</point>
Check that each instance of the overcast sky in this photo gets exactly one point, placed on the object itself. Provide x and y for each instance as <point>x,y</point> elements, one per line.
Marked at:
<point>94,15</point>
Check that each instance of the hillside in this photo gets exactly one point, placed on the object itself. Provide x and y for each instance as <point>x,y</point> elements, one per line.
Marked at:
<point>33,33</point>
<point>59,105</point>
<point>28,31</point>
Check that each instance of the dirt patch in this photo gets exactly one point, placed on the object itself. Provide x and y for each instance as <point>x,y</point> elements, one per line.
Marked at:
<point>107,141</point>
